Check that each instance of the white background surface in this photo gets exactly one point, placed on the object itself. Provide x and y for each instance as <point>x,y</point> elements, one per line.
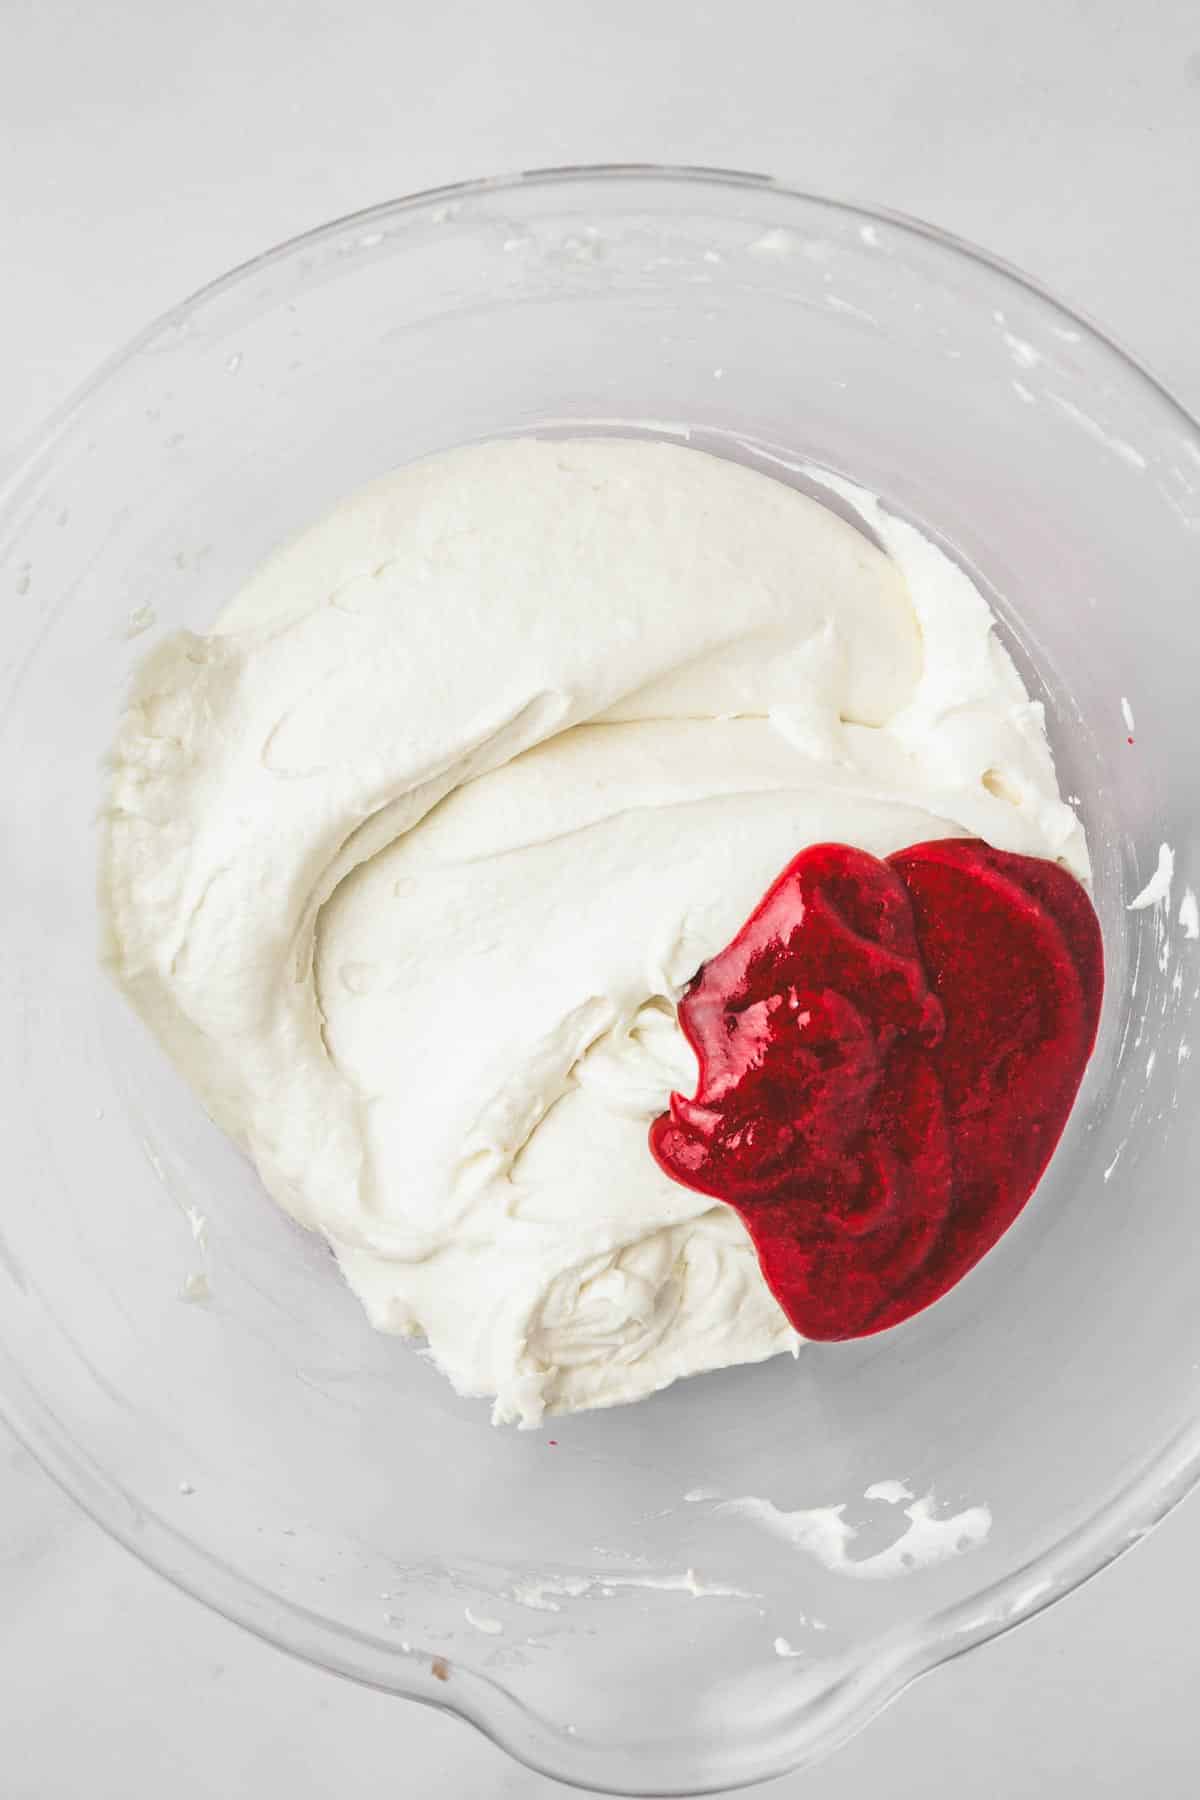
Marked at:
<point>147,145</point>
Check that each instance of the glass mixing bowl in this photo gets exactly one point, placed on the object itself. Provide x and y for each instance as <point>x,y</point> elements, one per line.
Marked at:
<point>722,1582</point>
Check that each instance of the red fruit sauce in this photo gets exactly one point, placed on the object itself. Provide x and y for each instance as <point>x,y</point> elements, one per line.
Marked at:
<point>888,1053</point>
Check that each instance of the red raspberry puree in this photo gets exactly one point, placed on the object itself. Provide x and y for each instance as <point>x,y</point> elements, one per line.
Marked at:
<point>888,1054</point>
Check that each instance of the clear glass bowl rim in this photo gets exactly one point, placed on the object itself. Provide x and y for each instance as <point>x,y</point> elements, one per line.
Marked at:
<point>1123,1520</point>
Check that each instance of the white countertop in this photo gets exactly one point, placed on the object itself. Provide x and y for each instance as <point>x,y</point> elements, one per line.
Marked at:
<point>150,145</point>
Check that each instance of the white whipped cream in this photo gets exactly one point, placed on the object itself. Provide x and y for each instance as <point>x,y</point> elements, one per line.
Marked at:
<point>407,863</point>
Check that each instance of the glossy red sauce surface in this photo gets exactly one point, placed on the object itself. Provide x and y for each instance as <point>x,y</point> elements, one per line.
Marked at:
<point>888,1054</point>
